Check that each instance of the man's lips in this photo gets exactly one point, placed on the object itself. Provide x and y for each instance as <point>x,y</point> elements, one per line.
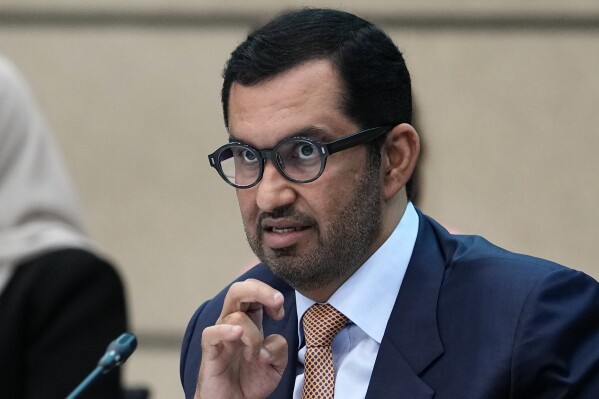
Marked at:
<point>283,230</point>
<point>283,224</point>
<point>283,233</point>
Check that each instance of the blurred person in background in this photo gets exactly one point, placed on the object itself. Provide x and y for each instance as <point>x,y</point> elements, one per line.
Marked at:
<point>61,303</point>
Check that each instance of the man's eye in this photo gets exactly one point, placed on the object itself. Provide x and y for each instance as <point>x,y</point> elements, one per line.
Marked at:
<point>248,156</point>
<point>305,151</point>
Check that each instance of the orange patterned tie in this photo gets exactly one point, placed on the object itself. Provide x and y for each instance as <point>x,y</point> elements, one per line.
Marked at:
<point>321,324</point>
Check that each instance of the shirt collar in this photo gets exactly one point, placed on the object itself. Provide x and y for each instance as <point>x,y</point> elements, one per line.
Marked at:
<point>376,283</point>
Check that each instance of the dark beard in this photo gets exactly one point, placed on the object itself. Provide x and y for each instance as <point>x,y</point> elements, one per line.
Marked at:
<point>340,251</point>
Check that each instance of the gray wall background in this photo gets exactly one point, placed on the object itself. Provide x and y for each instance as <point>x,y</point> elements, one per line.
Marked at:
<point>507,95</point>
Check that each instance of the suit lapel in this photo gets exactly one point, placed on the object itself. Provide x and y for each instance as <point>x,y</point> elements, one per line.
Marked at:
<point>392,376</point>
<point>411,342</point>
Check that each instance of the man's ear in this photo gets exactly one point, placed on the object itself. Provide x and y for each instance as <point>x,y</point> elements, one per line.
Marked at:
<point>398,158</point>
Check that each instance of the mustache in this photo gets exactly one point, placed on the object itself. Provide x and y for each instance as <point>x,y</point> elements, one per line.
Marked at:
<point>288,212</point>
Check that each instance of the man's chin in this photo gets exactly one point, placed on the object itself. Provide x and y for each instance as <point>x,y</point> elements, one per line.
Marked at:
<point>283,260</point>
<point>297,274</point>
<point>267,254</point>
<point>287,252</point>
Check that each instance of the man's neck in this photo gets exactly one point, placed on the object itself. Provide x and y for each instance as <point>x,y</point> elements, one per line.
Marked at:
<point>391,218</point>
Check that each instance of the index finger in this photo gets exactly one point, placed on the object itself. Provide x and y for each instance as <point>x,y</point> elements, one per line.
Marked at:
<point>252,295</point>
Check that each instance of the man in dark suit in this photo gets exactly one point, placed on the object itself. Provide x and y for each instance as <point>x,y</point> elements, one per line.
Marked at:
<point>428,314</point>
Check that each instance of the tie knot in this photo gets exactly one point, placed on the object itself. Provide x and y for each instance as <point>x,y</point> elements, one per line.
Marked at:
<point>321,324</point>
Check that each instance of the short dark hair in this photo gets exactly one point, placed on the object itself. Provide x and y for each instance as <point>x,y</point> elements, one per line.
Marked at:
<point>376,82</point>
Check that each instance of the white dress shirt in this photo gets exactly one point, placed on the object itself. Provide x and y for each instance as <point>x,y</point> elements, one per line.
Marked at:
<point>367,299</point>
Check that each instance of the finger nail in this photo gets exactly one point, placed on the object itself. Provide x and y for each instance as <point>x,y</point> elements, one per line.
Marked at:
<point>264,354</point>
<point>236,330</point>
<point>277,296</point>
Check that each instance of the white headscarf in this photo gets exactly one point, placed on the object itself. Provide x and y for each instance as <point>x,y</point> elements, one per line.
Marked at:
<point>38,208</point>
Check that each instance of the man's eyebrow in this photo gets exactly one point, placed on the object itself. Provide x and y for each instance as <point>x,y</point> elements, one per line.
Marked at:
<point>312,132</point>
<point>233,139</point>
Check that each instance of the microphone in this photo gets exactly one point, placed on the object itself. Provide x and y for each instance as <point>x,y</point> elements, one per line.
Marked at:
<point>118,351</point>
<point>116,354</point>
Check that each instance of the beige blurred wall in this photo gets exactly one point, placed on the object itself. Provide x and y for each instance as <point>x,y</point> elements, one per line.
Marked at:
<point>506,93</point>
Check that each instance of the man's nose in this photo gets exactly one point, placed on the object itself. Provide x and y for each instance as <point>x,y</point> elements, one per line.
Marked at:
<point>274,190</point>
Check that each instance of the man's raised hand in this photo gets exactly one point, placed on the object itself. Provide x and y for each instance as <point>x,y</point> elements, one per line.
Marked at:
<point>237,360</point>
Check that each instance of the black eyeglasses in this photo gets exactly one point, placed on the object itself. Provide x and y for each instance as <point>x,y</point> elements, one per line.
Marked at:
<point>298,159</point>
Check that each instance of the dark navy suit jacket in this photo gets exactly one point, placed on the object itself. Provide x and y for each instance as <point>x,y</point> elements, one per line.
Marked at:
<point>471,321</point>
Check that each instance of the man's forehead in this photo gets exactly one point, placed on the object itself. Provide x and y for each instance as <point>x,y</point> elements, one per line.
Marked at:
<point>303,101</point>
<point>304,79</point>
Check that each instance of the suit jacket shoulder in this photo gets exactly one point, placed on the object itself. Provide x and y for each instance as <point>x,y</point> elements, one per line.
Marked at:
<point>473,320</point>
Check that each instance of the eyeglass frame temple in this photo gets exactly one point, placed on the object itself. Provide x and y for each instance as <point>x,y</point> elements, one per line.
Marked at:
<point>356,139</point>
